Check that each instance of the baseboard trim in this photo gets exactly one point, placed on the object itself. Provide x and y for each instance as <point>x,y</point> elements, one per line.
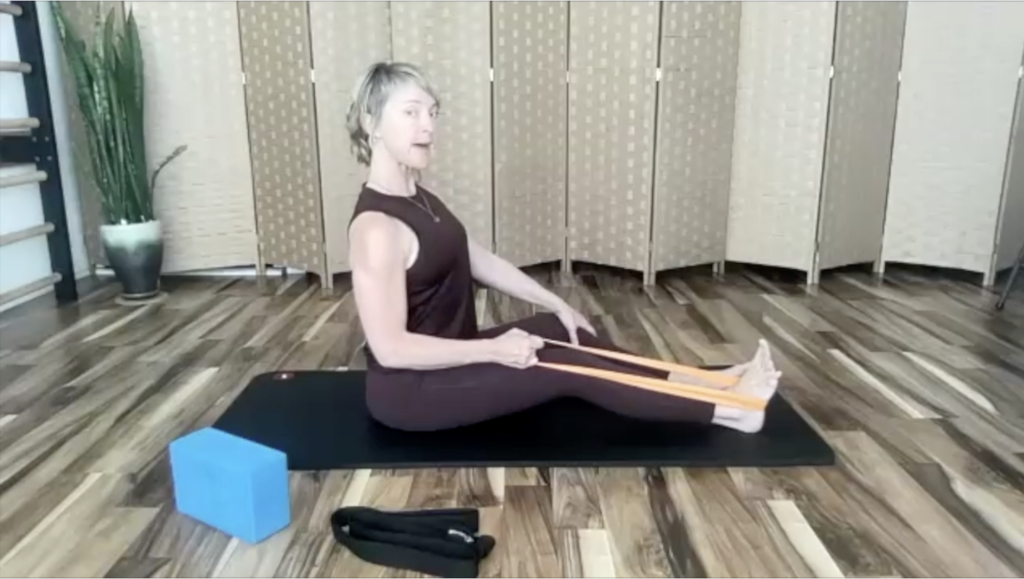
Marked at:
<point>224,272</point>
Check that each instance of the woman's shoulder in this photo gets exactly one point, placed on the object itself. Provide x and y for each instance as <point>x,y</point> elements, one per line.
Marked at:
<point>376,239</point>
<point>369,211</point>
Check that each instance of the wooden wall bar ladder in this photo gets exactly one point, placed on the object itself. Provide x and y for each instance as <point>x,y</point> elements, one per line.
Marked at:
<point>31,144</point>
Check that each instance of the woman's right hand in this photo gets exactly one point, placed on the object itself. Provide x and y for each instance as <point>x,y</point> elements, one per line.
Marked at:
<point>516,348</point>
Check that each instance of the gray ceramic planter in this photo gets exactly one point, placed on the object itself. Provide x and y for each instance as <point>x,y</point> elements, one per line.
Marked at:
<point>136,254</point>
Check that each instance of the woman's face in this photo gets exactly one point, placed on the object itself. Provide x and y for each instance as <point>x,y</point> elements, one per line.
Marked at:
<point>406,127</point>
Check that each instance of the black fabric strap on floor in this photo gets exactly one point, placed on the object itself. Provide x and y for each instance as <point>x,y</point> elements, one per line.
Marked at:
<point>440,542</point>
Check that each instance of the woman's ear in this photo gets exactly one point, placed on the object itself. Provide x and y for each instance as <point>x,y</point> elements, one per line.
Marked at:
<point>367,122</point>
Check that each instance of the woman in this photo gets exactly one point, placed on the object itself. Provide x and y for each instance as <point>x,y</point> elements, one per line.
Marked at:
<point>413,269</point>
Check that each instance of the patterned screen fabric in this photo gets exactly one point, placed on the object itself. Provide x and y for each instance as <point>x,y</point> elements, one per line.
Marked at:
<point>781,104</point>
<point>282,133</point>
<point>530,43</point>
<point>696,105</point>
<point>451,42</point>
<point>959,84</point>
<point>612,84</point>
<point>862,114</point>
<point>347,37</point>
<point>646,136</point>
<point>195,97</point>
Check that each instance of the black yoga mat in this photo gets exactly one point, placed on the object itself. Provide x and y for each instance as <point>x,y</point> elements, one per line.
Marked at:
<point>320,421</point>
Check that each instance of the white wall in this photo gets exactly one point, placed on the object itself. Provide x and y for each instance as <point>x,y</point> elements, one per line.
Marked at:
<point>960,72</point>
<point>21,207</point>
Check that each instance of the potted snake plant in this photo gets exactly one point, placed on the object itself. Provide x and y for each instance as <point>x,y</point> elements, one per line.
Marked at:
<point>109,82</point>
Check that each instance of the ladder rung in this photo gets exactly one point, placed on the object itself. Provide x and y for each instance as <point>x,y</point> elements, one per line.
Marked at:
<point>13,66</point>
<point>18,125</point>
<point>31,287</point>
<point>23,179</point>
<point>12,9</point>
<point>34,231</point>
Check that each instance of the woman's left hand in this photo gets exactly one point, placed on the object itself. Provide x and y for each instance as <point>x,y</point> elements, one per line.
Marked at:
<point>573,321</point>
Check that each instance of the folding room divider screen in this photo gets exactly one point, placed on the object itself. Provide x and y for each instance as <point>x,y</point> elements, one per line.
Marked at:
<point>949,183</point>
<point>642,135</point>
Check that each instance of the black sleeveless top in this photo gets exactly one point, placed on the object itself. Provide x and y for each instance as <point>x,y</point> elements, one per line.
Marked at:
<point>439,285</point>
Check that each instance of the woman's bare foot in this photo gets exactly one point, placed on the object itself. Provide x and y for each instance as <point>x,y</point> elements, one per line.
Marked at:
<point>761,379</point>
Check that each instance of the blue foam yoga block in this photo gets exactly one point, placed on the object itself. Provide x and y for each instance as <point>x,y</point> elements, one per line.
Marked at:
<point>230,483</point>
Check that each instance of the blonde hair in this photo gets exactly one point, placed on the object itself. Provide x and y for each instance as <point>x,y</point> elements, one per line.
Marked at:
<point>370,95</point>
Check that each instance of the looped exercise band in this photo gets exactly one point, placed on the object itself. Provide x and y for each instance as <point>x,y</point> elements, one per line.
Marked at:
<point>707,375</point>
<point>701,393</point>
<point>445,542</point>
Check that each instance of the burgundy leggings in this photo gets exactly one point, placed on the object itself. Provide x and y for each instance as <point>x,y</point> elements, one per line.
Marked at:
<point>451,397</point>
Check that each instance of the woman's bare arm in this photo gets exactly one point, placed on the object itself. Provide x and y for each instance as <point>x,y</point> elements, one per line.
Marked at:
<point>378,261</point>
<point>496,272</point>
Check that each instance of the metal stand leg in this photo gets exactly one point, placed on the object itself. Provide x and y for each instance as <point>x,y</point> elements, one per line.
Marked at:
<point>1009,282</point>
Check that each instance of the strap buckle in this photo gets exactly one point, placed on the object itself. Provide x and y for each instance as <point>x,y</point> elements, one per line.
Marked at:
<point>461,535</point>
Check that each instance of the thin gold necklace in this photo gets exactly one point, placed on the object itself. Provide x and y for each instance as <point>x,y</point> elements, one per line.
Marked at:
<point>410,199</point>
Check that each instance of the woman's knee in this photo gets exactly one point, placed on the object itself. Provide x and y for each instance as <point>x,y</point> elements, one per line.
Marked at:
<point>584,336</point>
<point>549,326</point>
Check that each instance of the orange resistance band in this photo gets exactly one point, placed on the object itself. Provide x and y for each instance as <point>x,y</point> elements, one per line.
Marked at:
<point>713,377</point>
<point>701,393</point>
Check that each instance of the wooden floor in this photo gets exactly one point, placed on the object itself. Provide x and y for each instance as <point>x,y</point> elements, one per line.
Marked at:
<point>917,383</point>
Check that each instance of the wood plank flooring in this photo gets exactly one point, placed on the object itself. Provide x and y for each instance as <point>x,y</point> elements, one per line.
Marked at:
<point>917,382</point>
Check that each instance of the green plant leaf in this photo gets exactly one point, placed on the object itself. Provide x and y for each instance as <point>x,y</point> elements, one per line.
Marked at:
<point>160,167</point>
<point>109,82</point>
<point>131,85</point>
